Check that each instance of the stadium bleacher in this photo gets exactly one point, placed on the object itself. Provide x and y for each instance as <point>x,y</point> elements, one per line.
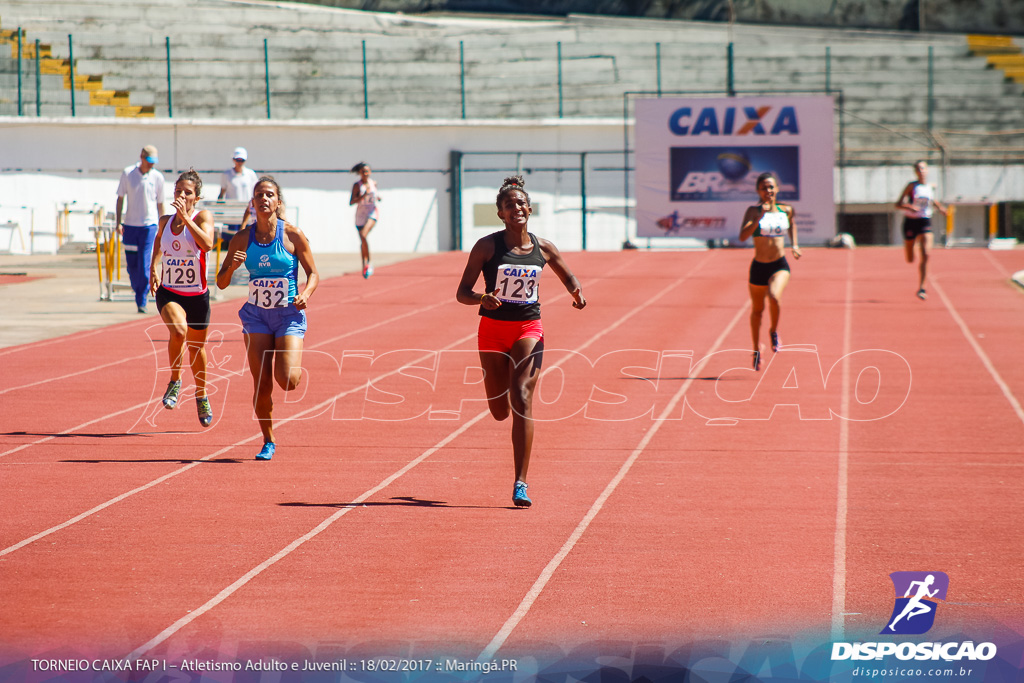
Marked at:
<point>901,92</point>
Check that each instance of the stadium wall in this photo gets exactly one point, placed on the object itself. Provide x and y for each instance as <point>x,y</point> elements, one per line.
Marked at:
<point>48,162</point>
<point>957,16</point>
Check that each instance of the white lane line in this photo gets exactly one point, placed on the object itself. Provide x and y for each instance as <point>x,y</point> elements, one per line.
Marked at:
<point>94,368</point>
<point>288,549</point>
<point>102,506</point>
<point>35,345</point>
<point>159,323</point>
<point>531,596</point>
<point>314,409</point>
<point>842,475</point>
<point>1014,403</point>
<point>141,405</point>
<point>284,552</point>
<point>999,266</point>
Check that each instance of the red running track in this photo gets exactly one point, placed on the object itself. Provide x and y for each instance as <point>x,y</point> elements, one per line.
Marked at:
<point>678,494</point>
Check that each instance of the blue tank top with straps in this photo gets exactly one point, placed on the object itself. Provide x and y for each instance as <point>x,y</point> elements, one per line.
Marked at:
<point>273,270</point>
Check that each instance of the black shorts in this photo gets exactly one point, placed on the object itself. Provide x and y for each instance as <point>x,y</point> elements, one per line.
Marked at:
<point>761,273</point>
<point>197,307</point>
<point>912,227</point>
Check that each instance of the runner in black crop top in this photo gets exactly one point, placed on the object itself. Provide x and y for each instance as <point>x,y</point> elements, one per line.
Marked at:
<point>511,262</point>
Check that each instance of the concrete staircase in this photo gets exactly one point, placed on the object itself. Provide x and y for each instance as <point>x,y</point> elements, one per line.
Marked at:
<point>510,68</point>
<point>54,94</point>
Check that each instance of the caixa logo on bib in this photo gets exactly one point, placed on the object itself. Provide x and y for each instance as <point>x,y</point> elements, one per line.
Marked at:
<point>917,594</point>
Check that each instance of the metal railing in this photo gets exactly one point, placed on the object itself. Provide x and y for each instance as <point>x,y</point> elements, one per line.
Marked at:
<point>288,87</point>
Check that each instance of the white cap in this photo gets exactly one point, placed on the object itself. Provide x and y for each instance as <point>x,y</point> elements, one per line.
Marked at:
<point>240,154</point>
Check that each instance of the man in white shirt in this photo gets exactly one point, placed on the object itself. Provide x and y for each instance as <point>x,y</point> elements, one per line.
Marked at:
<point>143,185</point>
<point>237,183</point>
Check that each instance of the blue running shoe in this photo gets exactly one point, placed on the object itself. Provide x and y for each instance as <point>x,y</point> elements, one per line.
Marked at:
<point>775,341</point>
<point>757,360</point>
<point>204,410</point>
<point>519,497</point>
<point>267,452</point>
<point>171,394</point>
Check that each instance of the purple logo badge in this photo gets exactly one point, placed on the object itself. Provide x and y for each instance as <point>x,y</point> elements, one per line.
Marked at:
<point>917,594</point>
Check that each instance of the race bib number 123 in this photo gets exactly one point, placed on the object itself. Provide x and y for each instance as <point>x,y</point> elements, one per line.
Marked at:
<point>518,284</point>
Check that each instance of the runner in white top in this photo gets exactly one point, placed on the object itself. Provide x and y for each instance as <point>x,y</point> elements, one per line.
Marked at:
<point>182,296</point>
<point>768,222</point>
<point>365,197</point>
<point>916,202</point>
<point>237,183</point>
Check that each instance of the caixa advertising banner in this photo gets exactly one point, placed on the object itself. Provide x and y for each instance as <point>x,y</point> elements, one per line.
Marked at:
<point>698,159</point>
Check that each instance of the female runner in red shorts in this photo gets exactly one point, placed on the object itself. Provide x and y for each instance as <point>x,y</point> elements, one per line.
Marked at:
<point>511,337</point>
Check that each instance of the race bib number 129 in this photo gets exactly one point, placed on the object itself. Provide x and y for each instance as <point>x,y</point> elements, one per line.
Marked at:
<point>269,292</point>
<point>182,274</point>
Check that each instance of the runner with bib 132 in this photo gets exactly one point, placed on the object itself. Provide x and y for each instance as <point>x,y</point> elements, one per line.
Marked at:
<point>274,315</point>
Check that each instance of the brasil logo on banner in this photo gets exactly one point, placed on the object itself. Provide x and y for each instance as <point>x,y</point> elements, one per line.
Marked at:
<point>718,174</point>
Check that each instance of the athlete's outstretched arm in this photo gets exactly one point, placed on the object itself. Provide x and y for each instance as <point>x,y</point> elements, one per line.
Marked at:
<point>234,258</point>
<point>481,252</point>
<point>201,228</point>
<point>305,256</point>
<point>790,213</point>
<point>158,253</point>
<point>902,202</point>
<point>750,221</point>
<point>561,268</point>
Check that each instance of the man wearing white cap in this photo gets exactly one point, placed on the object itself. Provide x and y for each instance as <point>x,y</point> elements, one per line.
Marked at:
<point>143,185</point>
<point>237,183</point>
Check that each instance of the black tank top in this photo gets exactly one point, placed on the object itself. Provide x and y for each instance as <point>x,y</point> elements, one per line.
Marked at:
<point>516,277</point>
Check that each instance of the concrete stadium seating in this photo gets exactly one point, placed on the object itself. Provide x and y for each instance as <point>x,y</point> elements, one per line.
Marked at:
<point>511,67</point>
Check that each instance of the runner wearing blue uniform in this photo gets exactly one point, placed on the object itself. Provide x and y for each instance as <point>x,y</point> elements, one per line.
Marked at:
<point>274,316</point>
<point>768,223</point>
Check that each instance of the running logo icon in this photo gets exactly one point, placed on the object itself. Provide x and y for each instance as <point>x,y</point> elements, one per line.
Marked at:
<point>916,601</point>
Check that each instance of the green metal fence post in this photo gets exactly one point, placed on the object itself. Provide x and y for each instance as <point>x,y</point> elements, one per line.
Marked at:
<point>828,69</point>
<point>21,111</point>
<point>71,67</point>
<point>170,90</point>
<point>462,76</point>
<point>657,64</point>
<point>266,74</point>
<point>455,196</point>
<point>560,110</point>
<point>730,88</point>
<point>931,86</point>
<point>583,197</point>
<point>366,90</point>
<point>39,97</point>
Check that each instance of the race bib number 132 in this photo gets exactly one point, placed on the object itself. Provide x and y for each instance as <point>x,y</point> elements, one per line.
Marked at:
<point>269,292</point>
